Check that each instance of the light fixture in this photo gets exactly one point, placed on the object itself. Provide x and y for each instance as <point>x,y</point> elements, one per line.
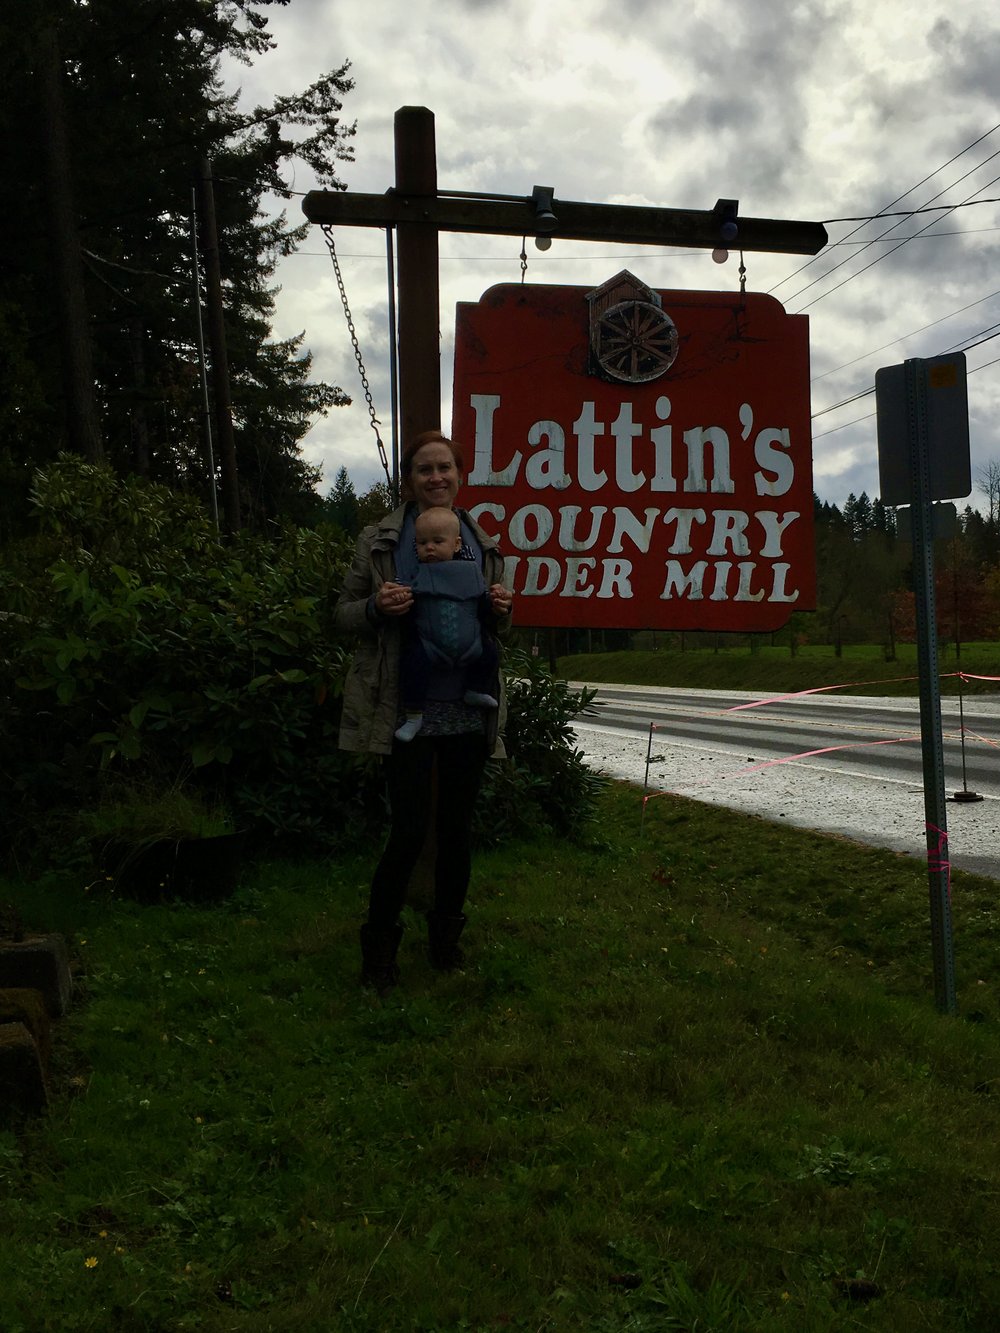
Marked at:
<point>545,219</point>
<point>726,210</point>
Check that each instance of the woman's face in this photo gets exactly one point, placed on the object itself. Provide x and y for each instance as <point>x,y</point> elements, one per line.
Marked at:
<point>434,476</point>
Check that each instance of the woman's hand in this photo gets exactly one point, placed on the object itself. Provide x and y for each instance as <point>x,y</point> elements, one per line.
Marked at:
<point>501,599</point>
<point>393,599</point>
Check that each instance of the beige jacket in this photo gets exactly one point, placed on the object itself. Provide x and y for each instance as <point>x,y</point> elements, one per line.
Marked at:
<point>371,692</point>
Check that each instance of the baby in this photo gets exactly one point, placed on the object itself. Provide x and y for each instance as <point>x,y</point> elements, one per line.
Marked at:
<point>444,629</point>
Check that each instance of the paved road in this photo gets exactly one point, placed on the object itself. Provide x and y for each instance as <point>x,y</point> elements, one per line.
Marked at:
<point>867,783</point>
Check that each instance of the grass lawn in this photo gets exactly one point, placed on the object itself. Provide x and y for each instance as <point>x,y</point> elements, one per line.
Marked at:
<point>692,1082</point>
<point>861,669</point>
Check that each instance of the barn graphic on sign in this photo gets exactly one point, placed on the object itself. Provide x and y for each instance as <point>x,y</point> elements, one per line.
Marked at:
<point>632,339</point>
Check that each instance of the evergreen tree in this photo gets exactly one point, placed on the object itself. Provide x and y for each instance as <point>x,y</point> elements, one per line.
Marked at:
<point>858,515</point>
<point>341,504</point>
<point>139,90</point>
<point>375,502</point>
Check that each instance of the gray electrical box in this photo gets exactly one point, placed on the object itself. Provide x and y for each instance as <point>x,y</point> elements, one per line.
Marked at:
<point>948,463</point>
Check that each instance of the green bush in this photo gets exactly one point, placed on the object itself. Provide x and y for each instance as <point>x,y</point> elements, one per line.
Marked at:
<point>150,651</point>
<point>138,649</point>
<point>545,787</point>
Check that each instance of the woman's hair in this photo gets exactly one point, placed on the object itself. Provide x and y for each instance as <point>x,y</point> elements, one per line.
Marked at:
<point>426,437</point>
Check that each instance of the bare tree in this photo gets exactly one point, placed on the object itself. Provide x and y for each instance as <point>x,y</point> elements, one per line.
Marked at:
<point>988,481</point>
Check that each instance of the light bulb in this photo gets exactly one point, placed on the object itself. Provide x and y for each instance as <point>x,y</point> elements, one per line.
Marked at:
<point>720,254</point>
<point>543,242</point>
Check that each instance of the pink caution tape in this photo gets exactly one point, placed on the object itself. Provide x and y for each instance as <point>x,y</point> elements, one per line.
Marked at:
<point>816,689</point>
<point>937,858</point>
<point>791,759</point>
<point>850,685</point>
<point>985,739</point>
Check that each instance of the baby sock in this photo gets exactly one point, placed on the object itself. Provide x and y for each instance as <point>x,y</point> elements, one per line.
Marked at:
<point>410,727</point>
<point>477,700</point>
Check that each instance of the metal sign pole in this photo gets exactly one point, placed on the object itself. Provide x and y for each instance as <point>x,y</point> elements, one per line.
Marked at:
<point>935,816</point>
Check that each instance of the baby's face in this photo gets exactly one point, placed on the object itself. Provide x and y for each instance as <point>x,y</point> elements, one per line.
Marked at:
<point>436,543</point>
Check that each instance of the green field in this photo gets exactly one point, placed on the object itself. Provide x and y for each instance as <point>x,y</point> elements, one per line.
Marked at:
<point>693,1081</point>
<point>860,670</point>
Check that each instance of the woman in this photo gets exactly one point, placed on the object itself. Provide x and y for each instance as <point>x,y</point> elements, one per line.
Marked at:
<point>455,737</point>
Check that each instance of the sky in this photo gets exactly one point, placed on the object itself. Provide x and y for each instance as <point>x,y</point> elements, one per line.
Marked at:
<point>819,110</point>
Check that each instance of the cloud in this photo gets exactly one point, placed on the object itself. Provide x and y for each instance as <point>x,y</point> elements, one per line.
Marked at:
<point>968,56</point>
<point>819,109</point>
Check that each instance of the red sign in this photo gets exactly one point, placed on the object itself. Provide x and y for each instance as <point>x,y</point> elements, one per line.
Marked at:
<point>644,457</point>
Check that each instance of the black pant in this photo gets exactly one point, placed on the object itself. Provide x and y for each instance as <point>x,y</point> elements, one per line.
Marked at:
<point>408,770</point>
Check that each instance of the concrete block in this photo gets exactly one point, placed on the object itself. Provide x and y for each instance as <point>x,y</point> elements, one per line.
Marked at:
<point>22,1082</point>
<point>28,1007</point>
<point>38,962</point>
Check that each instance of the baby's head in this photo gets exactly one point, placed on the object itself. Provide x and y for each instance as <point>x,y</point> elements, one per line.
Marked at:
<point>438,534</point>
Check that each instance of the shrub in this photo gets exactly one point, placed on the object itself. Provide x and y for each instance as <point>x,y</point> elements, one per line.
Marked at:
<point>150,651</point>
<point>545,787</point>
<point>137,648</point>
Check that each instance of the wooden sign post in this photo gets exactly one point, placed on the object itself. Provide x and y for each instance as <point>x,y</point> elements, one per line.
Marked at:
<point>418,210</point>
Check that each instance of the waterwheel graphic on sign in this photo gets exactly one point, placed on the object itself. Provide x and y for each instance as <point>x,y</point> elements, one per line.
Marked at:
<point>632,338</point>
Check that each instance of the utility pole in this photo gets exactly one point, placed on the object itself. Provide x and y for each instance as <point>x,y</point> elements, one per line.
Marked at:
<point>418,210</point>
<point>82,423</point>
<point>220,360</point>
<point>213,489</point>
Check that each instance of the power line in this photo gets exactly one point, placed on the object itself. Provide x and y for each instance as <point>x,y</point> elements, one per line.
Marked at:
<point>923,329</point>
<point>866,393</point>
<point>914,212</point>
<point>923,236</point>
<point>891,203</point>
<point>826,222</point>
<point>885,255</point>
<point>845,402</point>
<point>991,331</point>
<point>855,422</point>
<point>886,233</point>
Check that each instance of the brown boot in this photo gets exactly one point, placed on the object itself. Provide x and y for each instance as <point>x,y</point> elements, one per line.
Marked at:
<point>443,933</point>
<point>378,957</point>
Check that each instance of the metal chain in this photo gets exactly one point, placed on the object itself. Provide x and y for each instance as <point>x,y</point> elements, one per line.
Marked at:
<point>327,231</point>
<point>524,258</point>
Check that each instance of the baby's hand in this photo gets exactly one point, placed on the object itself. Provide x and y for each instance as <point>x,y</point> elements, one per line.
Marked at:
<point>393,599</point>
<point>501,599</point>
